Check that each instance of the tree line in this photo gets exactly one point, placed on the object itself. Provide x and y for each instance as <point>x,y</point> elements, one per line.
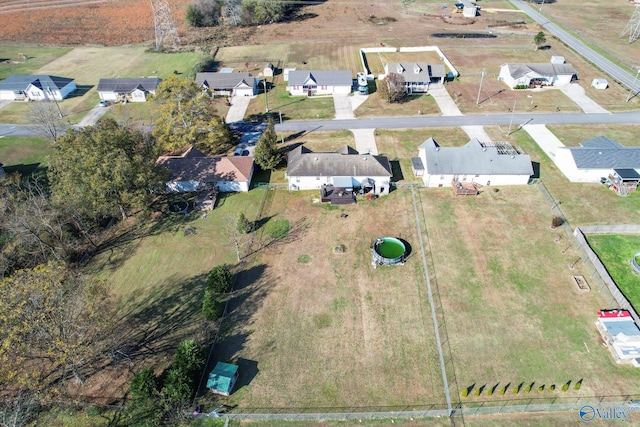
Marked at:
<point>57,323</point>
<point>210,13</point>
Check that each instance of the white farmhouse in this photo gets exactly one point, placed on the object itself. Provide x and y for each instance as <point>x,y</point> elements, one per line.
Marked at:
<point>531,75</point>
<point>496,163</point>
<point>36,88</point>
<point>417,75</point>
<point>228,84</point>
<point>345,168</point>
<point>596,158</point>
<point>314,82</point>
<point>128,90</point>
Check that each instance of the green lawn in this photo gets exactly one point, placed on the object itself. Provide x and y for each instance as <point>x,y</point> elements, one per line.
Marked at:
<point>616,251</point>
<point>24,155</point>
<point>37,57</point>
<point>291,107</point>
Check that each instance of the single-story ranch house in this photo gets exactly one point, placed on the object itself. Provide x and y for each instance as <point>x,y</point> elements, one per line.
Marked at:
<point>417,75</point>
<point>495,163</point>
<point>194,171</point>
<point>531,75</point>
<point>596,158</point>
<point>345,168</point>
<point>314,82</point>
<point>127,90</point>
<point>229,84</point>
<point>36,88</point>
<point>621,335</point>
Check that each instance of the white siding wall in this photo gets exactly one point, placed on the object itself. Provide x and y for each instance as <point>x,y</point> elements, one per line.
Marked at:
<point>321,90</point>
<point>434,181</point>
<point>7,95</point>
<point>314,183</point>
<point>232,187</point>
<point>108,96</point>
<point>138,96</point>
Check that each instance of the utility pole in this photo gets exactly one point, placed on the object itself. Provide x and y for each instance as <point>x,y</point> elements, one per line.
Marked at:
<point>633,86</point>
<point>50,96</point>
<point>480,88</point>
<point>266,98</point>
<point>513,110</point>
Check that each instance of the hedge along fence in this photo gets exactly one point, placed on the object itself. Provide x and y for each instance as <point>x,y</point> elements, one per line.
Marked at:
<point>621,300</point>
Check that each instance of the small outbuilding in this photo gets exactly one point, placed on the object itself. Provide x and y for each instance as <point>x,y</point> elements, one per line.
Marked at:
<point>268,70</point>
<point>223,378</point>
<point>600,83</point>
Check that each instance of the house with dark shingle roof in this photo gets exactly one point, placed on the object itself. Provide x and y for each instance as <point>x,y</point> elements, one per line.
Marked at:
<point>417,75</point>
<point>194,171</point>
<point>128,89</point>
<point>596,158</point>
<point>318,82</point>
<point>36,88</point>
<point>484,163</point>
<point>345,168</point>
<point>228,84</point>
<point>544,74</point>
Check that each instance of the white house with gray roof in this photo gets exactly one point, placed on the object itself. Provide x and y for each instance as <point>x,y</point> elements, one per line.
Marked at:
<point>345,168</point>
<point>228,84</point>
<point>127,89</point>
<point>417,75</point>
<point>492,163</point>
<point>530,75</point>
<point>317,82</point>
<point>596,158</point>
<point>36,88</point>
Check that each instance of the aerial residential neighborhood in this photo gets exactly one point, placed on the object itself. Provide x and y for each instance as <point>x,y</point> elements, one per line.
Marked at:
<point>319,213</point>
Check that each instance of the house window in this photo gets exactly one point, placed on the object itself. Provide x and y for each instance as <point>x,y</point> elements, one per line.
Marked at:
<point>441,177</point>
<point>317,178</point>
<point>297,179</point>
<point>324,87</point>
<point>464,178</point>
<point>477,176</point>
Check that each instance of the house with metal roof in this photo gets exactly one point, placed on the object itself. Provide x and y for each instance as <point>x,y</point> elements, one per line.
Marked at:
<point>36,88</point>
<point>319,82</point>
<point>127,89</point>
<point>532,75</point>
<point>621,335</point>
<point>417,75</point>
<point>483,163</point>
<point>229,84</point>
<point>195,171</point>
<point>345,169</point>
<point>596,158</point>
<point>223,378</point>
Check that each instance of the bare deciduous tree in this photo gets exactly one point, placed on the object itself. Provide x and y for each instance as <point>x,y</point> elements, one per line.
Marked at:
<point>48,118</point>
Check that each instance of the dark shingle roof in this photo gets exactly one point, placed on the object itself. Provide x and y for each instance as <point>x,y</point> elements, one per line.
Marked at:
<point>304,162</point>
<point>417,72</point>
<point>21,82</point>
<point>222,81</point>
<point>321,78</point>
<point>604,153</point>
<point>148,84</point>
<point>473,158</point>
<point>194,165</point>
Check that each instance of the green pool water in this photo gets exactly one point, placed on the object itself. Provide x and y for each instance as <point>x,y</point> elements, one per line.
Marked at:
<point>390,248</point>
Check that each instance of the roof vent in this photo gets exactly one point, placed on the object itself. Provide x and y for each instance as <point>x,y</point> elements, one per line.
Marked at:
<point>437,148</point>
<point>365,157</point>
<point>315,158</point>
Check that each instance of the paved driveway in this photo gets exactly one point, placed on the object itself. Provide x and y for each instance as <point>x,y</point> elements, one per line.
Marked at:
<point>93,115</point>
<point>342,104</point>
<point>239,105</point>
<point>365,141</point>
<point>577,95</point>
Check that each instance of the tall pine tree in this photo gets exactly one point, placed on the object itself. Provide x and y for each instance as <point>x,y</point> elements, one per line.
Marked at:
<point>266,154</point>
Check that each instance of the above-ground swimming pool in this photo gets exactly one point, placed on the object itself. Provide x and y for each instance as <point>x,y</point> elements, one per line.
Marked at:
<point>388,250</point>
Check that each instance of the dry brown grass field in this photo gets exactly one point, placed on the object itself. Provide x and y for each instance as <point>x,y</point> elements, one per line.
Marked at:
<point>326,328</point>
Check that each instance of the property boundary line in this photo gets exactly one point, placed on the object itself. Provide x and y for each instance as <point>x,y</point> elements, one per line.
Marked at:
<point>434,317</point>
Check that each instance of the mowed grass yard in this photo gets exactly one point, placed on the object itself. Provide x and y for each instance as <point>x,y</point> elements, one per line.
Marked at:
<point>87,65</point>
<point>512,312</point>
<point>324,329</point>
<point>616,251</point>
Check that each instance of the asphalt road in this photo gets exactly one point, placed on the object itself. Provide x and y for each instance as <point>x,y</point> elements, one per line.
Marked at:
<point>621,75</point>
<point>515,120</point>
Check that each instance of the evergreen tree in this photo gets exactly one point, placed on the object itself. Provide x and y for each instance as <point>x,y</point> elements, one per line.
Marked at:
<point>266,154</point>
